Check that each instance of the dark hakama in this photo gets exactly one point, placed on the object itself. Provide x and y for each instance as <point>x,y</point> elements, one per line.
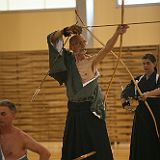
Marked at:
<point>85,133</point>
<point>145,144</point>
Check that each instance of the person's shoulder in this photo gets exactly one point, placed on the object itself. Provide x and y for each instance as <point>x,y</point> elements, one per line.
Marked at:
<point>136,78</point>
<point>139,77</point>
<point>17,130</point>
<point>20,133</point>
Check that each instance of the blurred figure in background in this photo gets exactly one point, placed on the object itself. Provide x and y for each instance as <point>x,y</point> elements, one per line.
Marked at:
<point>145,144</point>
<point>14,143</point>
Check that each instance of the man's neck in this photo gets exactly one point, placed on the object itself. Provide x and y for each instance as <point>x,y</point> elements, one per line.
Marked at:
<point>6,129</point>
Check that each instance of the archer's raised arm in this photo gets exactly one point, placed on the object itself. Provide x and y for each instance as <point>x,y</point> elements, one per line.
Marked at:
<point>121,29</point>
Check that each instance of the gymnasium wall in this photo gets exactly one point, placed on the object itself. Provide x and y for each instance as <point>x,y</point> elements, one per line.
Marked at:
<point>28,30</point>
<point>44,118</point>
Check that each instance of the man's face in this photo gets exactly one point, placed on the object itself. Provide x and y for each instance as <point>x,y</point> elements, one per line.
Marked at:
<point>79,45</point>
<point>6,116</point>
<point>148,66</point>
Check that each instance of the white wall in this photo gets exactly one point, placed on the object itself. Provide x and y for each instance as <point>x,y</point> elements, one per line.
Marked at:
<point>28,30</point>
<point>106,12</point>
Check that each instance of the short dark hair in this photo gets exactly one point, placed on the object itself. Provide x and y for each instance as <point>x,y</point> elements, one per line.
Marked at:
<point>150,56</point>
<point>9,104</point>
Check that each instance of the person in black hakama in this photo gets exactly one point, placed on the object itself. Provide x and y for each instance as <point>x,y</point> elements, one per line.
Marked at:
<point>85,129</point>
<point>145,144</point>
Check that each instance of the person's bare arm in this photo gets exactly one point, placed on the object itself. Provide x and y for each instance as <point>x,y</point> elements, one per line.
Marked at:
<point>109,45</point>
<point>34,146</point>
<point>152,93</point>
<point>56,35</point>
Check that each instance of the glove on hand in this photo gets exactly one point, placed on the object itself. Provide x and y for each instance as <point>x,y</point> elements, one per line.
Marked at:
<point>74,29</point>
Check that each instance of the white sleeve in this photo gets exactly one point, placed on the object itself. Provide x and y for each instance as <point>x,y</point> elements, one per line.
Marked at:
<point>59,46</point>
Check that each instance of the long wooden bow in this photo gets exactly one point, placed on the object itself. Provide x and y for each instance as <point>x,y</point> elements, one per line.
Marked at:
<point>117,24</point>
<point>85,155</point>
<point>119,55</point>
<point>44,78</point>
<point>125,66</point>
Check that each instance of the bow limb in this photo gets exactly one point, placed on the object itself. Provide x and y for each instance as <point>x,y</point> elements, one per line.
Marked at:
<point>85,155</point>
<point>135,83</point>
<point>140,93</point>
<point>130,23</point>
<point>119,55</point>
<point>43,80</point>
<point>87,28</point>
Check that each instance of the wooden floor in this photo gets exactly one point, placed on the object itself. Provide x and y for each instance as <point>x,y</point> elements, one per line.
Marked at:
<point>120,151</point>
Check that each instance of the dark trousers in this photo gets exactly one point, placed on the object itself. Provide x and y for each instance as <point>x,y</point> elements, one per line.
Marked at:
<point>84,133</point>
